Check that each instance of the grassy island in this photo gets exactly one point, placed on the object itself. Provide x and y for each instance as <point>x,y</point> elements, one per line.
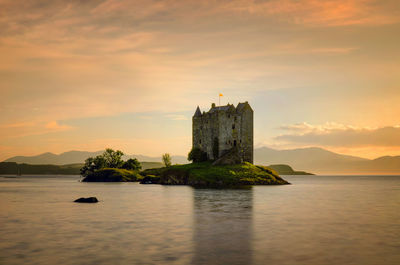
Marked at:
<point>109,167</point>
<point>196,174</point>
<point>113,175</point>
<point>206,175</point>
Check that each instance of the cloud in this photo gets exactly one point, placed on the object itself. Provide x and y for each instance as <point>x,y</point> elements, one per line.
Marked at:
<point>24,129</point>
<point>340,135</point>
<point>16,125</point>
<point>177,117</point>
<point>322,13</point>
<point>54,126</point>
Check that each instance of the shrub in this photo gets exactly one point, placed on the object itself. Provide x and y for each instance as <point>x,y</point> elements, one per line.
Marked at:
<point>109,159</point>
<point>132,164</point>
<point>166,158</point>
<point>197,155</point>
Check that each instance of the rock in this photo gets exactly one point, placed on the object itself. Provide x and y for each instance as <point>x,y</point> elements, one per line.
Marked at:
<point>87,200</point>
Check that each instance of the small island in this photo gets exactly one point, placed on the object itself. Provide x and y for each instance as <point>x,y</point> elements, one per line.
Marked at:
<point>197,174</point>
<point>221,155</point>
<point>204,174</point>
<point>287,170</point>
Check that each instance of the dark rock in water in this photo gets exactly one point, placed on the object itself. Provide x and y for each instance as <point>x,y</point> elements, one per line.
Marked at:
<point>87,200</point>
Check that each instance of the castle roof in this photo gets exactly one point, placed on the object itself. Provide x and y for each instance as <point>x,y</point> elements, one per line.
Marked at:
<point>240,108</point>
<point>220,108</point>
<point>198,112</point>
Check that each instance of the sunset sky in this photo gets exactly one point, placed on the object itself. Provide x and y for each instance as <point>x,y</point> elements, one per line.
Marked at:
<point>85,75</point>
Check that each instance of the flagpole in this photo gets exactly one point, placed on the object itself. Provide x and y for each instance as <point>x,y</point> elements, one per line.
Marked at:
<point>219,99</point>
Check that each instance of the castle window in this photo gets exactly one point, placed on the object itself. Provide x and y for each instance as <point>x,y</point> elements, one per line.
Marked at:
<point>229,115</point>
<point>240,141</point>
<point>234,143</point>
<point>200,141</point>
<point>233,126</point>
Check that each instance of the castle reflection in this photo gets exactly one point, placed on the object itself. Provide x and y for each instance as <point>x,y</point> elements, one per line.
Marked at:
<point>222,226</point>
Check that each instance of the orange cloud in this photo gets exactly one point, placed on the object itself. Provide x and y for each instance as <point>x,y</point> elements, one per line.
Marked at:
<point>321,13</point>
<point>339,135</point>
<point>55,126</point>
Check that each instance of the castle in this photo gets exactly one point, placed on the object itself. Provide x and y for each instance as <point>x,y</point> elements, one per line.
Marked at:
<point>224,129</point>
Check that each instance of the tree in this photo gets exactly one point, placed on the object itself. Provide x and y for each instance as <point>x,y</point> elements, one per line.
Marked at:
<point>197,155</point>
<point>132,164</point>
<point>92,164</point>
<point>113,159</point>
<point>166,158</point>
<point>110,158</point>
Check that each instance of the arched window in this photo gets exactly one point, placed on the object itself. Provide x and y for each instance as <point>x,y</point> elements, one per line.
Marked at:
<point>233,126</point>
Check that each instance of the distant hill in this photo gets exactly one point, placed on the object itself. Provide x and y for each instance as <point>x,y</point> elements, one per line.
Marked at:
<point>321,161</point>
<point>287,170</point>
<point>315,160</point>
<point>76,157</point>
<point>12,168</point>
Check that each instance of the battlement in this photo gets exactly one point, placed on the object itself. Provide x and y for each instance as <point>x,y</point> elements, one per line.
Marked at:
<point>222,128</point>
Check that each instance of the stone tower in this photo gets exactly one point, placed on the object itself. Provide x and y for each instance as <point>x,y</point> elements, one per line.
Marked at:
<point>224,128</point>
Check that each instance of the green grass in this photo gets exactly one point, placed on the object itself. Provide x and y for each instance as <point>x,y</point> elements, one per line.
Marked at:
<point>205,175</point>
<point>113,175</point>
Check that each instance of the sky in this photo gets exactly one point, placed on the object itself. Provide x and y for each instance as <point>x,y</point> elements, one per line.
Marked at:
<point>86,75</point>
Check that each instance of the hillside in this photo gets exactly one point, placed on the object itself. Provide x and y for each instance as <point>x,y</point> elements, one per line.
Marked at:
<point>315,160</point>
<point>12,168</point>
<point>75,157</point>
<point>321,161</point>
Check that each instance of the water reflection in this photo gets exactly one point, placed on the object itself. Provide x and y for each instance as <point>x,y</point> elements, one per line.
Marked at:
<point>223,226</point>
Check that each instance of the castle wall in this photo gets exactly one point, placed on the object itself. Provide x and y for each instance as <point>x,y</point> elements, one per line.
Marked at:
<point>230,126</point>
<point>229,130</point>
<point>247,136</point>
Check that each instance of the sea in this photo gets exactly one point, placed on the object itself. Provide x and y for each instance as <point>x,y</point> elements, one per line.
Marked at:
<point>329,220</point>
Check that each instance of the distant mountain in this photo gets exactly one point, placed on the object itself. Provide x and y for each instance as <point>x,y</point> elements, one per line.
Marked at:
<point>321,161</point>
<point>76,157</point>
<point>315,160</point>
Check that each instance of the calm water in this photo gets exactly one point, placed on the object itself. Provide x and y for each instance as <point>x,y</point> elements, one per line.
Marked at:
<point>317,220</point>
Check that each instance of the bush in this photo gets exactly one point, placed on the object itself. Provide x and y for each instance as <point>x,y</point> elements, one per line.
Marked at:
<point>109,159</point>
<point>112,175</point>
<point>197,155</point>
<point>132,164</point>
<point>166,158</point>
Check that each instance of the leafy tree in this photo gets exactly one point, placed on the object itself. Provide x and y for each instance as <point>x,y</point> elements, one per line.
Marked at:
<point>197,155</point>
<point>92,164</point>
<point>113,159</point>
<point>132,164</point>
<point>110,158</point>
<point>166,158</point>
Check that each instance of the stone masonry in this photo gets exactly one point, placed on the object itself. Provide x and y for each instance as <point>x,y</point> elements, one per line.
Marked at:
<point>224,128</point>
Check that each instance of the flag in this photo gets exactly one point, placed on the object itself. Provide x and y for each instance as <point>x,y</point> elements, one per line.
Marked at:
<point>220,95</point>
